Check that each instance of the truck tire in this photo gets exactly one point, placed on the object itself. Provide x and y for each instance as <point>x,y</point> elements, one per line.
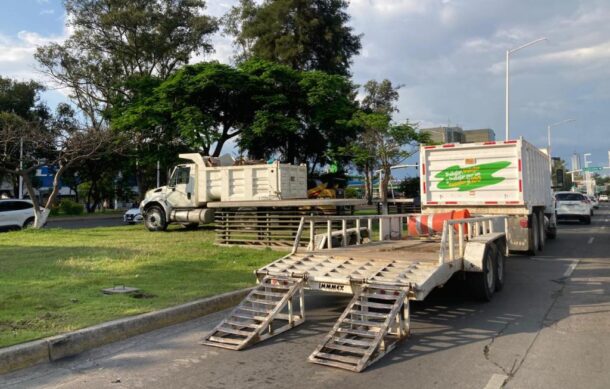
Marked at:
<point>542,231</point>
<point>483,284</point>
<point>586,220</point>
<point>154,219</point>
<point>534,235</point>
<point>500,249</point>
<point>552,233</point>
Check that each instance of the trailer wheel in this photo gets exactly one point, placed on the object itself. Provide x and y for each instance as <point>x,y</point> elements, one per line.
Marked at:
<point>500,265</point>
<point>154,219</point>
<point>483,284</point>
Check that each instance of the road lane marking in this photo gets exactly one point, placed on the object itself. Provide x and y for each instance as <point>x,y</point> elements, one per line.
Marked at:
<point>496,381</point>
<point>570,269</point>
<point>591,239</point>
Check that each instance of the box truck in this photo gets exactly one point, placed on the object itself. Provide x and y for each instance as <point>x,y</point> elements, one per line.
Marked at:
<point>493,178</point>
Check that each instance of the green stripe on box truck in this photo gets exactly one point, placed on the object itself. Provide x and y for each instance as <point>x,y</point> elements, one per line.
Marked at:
<point>471,177</point>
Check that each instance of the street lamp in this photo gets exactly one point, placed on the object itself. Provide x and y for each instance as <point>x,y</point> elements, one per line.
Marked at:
<point>548,131</point>
<point>508,53</point>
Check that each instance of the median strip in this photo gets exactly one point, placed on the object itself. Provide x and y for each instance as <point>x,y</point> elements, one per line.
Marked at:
<point>54,348</point>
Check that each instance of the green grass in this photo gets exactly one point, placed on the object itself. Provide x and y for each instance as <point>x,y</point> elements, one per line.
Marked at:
<point>50,280</point>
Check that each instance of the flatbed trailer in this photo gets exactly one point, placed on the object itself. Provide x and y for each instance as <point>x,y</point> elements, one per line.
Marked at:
<point>375,259</point>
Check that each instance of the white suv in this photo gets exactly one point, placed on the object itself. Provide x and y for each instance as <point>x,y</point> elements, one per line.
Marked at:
<point>573,205</point>
<point>16,214</point>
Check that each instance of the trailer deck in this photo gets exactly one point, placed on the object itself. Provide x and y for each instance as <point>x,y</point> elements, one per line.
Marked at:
<point>382,275</point>
<point>408,263</point>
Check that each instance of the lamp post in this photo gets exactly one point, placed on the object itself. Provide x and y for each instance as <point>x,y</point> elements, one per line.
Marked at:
<point>548,131</point>
<point>508,53</point>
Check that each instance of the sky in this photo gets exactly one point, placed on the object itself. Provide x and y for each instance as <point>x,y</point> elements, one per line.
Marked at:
<point>448,54</point>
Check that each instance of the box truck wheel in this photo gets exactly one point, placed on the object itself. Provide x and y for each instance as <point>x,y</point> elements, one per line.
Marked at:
<point>154,219</point>
<point>541,231</point>
<point>483,284</point>
<point>534,234</point>
<point>500,249</point>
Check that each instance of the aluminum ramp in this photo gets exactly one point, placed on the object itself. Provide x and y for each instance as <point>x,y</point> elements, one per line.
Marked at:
<point>375,320</point>
<point>267,311</point>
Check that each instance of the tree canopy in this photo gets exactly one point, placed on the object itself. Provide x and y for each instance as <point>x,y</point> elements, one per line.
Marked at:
<point>114,40</point>
<point>303,34</point>
<point>270,109</point>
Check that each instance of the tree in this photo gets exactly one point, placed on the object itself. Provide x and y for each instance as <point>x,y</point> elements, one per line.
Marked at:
<point>301,116</point>
<point>382,143</point>
<point>303,34</point>
<point>60,144</point>
<point>114,40</point>
<point>409,187</point>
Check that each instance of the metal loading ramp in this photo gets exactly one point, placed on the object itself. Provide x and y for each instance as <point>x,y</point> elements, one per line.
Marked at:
<point>267,311</point>
<point>375,320</point>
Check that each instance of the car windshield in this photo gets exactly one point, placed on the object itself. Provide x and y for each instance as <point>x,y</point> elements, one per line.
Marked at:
<point>569,197</point>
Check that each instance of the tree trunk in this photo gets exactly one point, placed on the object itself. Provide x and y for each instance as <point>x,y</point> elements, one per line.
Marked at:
<point>368,185</point>
<point>40,215</point>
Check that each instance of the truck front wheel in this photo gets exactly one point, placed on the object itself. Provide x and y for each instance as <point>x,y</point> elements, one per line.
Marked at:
<point>154,219</point>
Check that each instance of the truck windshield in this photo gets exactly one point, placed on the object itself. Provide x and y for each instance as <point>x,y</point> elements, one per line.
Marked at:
<point>180,176</point>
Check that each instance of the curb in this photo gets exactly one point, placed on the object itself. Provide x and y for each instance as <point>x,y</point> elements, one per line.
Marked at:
<point>51,349</point>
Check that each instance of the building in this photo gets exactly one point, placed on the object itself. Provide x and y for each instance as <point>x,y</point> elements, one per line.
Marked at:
<point>458,135</point>
<point>445,134</point>
<point>575,161</point>
<point>479,135</point>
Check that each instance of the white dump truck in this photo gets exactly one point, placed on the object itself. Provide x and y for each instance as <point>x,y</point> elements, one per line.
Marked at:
<point>252,203</point>
<point>493,178</point>
<point>194,186</point>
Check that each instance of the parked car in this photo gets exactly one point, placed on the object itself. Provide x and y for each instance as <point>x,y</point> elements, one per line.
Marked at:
<point>133,216</point>
<point>594,201</point>
<point>16,213</point>
<point>603,198</point>
<point>573,205</point>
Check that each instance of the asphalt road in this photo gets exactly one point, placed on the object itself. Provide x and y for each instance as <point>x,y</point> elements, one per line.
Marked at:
<point>548,328</point>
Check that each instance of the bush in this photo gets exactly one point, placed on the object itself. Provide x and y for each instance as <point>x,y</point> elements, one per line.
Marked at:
<point>69,207</point>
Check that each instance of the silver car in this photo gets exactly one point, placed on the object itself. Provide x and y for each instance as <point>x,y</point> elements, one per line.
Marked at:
<point>16,213</point>
<point>573,205</point>
<point>133,216</point>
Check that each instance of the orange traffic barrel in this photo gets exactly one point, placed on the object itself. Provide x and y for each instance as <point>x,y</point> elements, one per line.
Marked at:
<point>425,225</point>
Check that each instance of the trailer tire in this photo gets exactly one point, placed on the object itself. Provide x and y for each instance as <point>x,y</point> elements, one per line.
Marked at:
<point>155,219</point>
<point>500,265</point>
<point>483,284</point>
